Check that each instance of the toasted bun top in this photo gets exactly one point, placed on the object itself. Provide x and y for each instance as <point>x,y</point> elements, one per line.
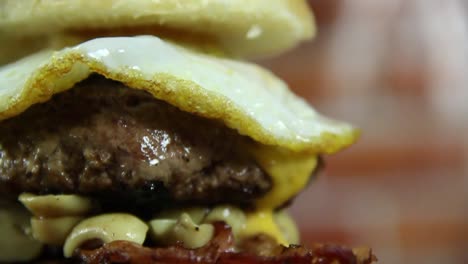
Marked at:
<point>242,28</point>
<point>243,96</point>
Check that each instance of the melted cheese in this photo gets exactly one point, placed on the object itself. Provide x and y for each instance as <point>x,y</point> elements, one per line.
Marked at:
<point>15,234</point>
<point>262,221</point>
<point>290,172</point>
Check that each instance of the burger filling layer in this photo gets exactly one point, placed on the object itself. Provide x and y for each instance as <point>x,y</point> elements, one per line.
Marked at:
<point>104,139</point>
<point>104,159</point>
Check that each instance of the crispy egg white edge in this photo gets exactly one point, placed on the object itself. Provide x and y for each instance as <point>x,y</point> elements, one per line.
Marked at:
<point>257,93</point>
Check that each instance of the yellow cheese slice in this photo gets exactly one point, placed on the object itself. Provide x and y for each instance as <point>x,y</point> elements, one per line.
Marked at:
<point>262,221</point>
<point>290,172</point>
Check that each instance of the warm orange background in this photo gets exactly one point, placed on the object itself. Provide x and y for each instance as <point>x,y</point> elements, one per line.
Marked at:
<point>399,70</point>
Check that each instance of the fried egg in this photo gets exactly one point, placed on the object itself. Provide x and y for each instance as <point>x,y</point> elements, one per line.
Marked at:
<point>243,96</point>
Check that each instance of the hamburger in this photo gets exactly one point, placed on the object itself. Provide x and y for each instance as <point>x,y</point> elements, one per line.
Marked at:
<point>131,132</point>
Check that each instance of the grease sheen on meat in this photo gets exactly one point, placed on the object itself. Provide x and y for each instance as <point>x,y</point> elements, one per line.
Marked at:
<point>101,138</point>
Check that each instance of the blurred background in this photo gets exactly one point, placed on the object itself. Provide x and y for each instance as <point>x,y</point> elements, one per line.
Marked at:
<point>397,69</point>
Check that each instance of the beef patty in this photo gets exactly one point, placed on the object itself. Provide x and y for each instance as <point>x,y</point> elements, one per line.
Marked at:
<point>103,139</point>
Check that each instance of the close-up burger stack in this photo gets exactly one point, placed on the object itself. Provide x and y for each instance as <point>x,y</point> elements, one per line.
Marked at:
<point>132,132</point>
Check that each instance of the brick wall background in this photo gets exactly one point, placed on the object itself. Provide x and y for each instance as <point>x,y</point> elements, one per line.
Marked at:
<point>399,70</point>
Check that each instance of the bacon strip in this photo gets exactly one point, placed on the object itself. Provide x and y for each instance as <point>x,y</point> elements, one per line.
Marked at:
<point>221,250</point>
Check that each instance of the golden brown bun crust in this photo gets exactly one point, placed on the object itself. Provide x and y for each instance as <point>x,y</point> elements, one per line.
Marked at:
<point>243,28</point>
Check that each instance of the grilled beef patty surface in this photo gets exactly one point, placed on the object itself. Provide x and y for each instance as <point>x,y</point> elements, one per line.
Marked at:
<point>103,139</point>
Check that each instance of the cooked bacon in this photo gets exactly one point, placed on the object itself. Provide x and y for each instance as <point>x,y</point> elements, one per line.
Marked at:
<point>221,250</point>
